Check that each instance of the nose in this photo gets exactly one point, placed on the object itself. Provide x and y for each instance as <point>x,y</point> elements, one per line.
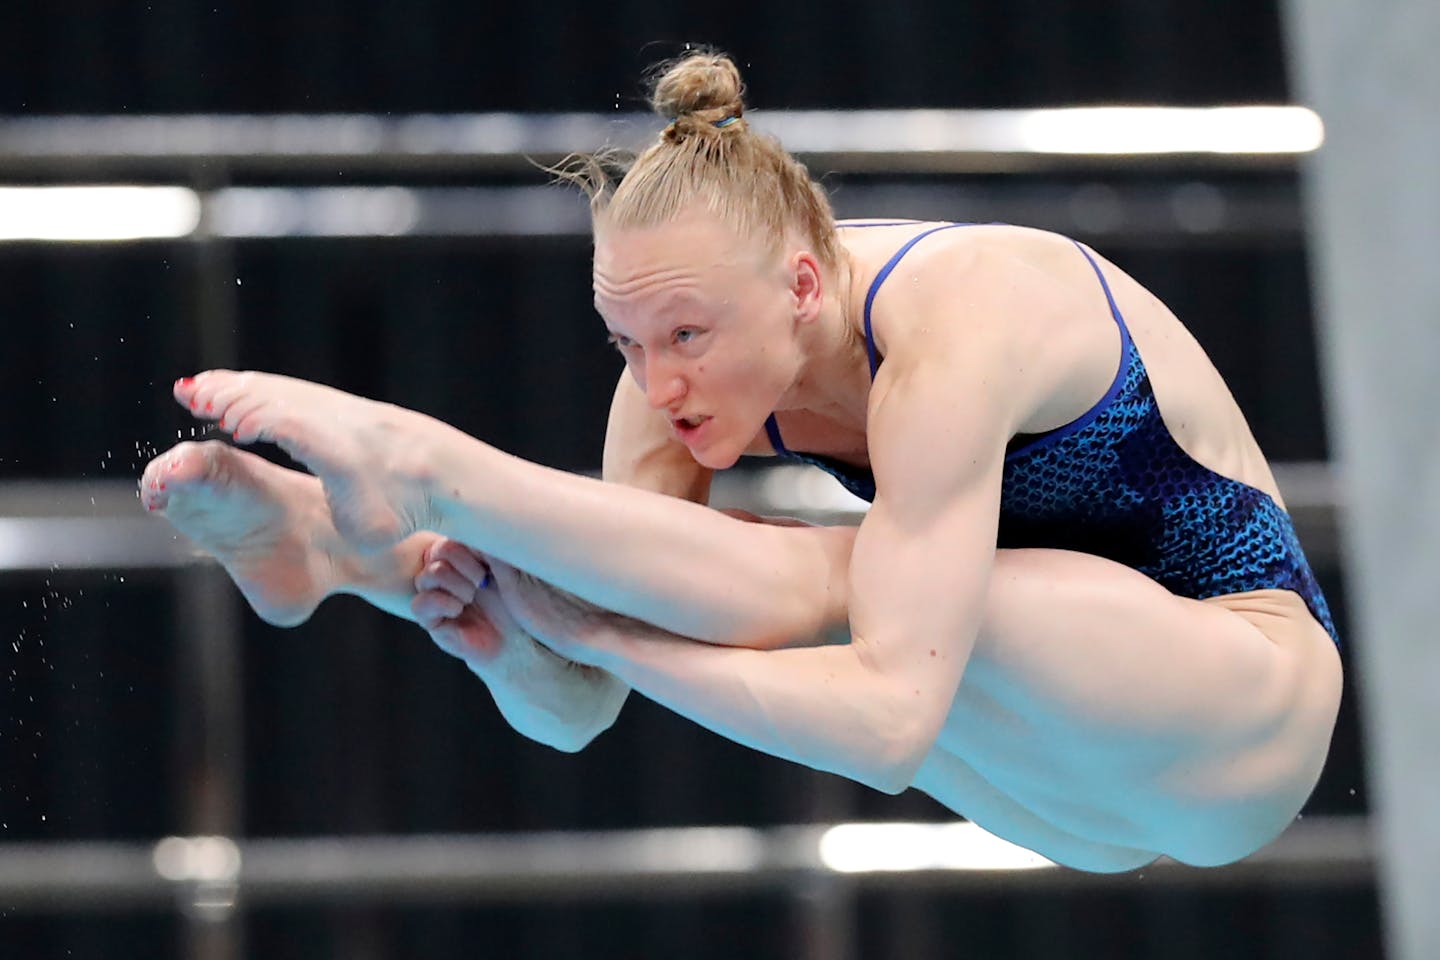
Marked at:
<point>663,386</point>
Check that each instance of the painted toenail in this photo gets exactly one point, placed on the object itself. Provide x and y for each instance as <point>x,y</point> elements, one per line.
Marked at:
<point>210,408</point>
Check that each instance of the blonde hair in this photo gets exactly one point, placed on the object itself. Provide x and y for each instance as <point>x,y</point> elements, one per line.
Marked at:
<point>707,155</point>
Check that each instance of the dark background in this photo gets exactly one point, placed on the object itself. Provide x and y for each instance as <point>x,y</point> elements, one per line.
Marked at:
<point>354,723</point>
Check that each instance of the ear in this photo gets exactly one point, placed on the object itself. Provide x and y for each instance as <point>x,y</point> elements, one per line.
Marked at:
<point>807,285</point>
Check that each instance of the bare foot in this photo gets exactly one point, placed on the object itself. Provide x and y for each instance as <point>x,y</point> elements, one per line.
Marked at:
<point>262,522</point>
<point>370,457</point>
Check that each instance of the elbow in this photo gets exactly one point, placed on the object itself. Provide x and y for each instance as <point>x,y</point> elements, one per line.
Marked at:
<point>568,743</point>
<point>576,734</point>
<point>902,764</point>
<point>899,756</point>
<point>566,738</point>
<point>904,720</point>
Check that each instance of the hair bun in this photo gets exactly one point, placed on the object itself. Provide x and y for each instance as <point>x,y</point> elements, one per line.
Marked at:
<point>704,85</point>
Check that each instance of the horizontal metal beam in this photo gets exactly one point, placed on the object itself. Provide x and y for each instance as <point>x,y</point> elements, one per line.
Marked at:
<point>99,525</point>
<point>1184,210</point>
<point>914,141</point>
<point>217,873</point>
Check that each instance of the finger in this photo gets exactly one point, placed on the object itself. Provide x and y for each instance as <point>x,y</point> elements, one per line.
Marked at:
<point>492,605</point>
<point>440,575</point>
<point>432,605</point>
<point>426,615</point>
<point>462,558</point>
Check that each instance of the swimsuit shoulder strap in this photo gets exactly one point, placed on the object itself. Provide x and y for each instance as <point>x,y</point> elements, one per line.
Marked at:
<point>1110,299</point>
<point>880,278</point>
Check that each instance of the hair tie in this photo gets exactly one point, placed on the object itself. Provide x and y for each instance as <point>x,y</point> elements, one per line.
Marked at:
<point>722,124</point>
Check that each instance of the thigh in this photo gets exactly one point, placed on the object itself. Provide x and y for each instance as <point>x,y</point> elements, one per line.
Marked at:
<point>1095,695</point>
<point>1078,638</point>
<point>960,787</point>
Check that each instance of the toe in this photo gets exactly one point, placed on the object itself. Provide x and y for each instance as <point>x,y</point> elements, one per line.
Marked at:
<point>154,492</point>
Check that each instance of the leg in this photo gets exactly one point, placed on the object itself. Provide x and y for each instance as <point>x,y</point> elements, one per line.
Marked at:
<point>270,529</point>
<point>388,473</point>
<point>1124,714</point>
<point>957,785</point>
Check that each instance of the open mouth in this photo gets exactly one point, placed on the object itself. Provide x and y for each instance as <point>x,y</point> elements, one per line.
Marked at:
<point>689,424</point>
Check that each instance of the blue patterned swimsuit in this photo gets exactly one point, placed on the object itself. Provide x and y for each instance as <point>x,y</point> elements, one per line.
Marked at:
<point>1115,484</point>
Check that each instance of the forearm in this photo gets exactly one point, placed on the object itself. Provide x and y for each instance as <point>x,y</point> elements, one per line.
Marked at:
<point>819,706</point>
<point>669,562</point>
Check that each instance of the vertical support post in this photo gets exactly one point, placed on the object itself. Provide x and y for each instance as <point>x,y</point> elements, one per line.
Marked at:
<point>1371,72</point>
<point>209,746</point>
<point>826,912</point>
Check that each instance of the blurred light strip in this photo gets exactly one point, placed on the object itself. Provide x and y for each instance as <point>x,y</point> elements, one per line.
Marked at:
<point>892,847</point>
<point>1151,212</point>
<point>846,137</point>
<point>97,213</point>
<point>313,212</point>
<point>1160,130</point>
<point>211,872</point>
<point>1069,131</point>
<point>263,212</point>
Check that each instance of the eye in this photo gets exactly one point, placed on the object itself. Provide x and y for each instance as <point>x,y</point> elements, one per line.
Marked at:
<point>620,341</point>
<point>686,335</point>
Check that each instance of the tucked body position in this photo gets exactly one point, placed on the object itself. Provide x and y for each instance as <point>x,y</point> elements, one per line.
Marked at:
<point>1075,613</point>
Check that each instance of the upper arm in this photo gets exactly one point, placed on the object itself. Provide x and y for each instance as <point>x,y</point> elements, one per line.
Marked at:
<point>922,559</point>
<point>641,451</point>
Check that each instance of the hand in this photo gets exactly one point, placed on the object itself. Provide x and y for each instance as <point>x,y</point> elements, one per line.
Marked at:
<point>444,603</point>
<point>470,603</point>
<point>542,694</point>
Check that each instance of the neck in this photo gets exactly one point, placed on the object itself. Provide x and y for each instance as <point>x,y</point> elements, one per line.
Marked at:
<point>835,378</point>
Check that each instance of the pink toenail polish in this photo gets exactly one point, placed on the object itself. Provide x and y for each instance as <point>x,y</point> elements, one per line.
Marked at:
<point>209,408</point>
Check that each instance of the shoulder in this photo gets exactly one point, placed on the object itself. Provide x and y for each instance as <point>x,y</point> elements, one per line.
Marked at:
<point>962,319</point>
<point>974,273</point>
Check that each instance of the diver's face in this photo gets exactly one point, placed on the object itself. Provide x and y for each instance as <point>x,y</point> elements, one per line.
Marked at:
<point>705,323</point>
